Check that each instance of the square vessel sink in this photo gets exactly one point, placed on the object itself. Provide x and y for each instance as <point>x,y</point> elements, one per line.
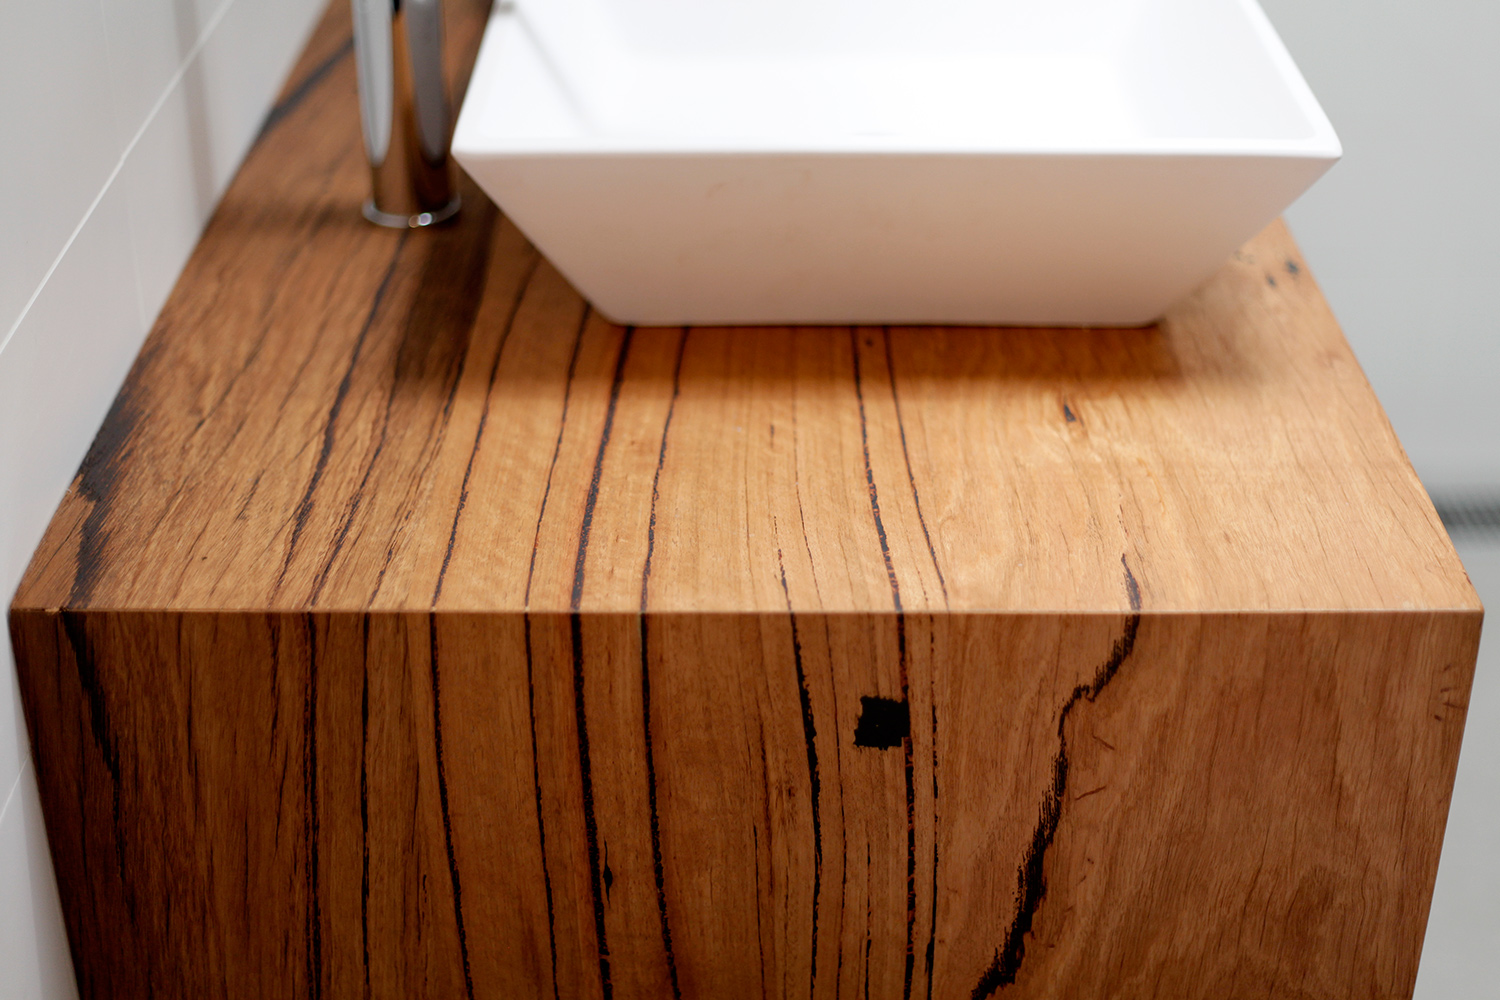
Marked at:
<point>866,161</point>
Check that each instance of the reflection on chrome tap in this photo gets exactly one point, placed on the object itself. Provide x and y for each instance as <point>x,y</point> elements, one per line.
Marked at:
<point>398,47</point>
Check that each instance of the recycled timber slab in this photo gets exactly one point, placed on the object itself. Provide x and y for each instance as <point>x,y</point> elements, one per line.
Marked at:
<point>412,631</point>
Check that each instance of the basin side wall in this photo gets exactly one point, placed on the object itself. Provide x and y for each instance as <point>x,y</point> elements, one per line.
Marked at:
<point>1021,239</point>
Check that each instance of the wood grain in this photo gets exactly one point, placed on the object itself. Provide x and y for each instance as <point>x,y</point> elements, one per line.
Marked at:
<point>412,631</point>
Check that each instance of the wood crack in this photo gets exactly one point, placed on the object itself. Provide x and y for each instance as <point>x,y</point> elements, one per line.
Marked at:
<point>310,820</point>
<point>1031,876</point>
<point>814,779</point>
<point>902,668</point>
<point>932,705</point>
<point>536,782</point>
<point>98,476</point>
<point>591,500</point>
<point>442,776</point>
<point>657,866</point>
<point>911,478</point>
<point>484,416</point>
<point>305,505</point>
<point>536,774</point>
<point>562,426</point>
<point>590,823</point>
<point>575,624</point>
<point>364,804</point>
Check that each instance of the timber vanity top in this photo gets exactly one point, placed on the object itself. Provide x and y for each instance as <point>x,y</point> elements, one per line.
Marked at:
<point>973,662</point>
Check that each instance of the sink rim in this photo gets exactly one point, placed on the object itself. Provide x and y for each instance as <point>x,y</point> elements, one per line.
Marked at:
<point>487,102</point>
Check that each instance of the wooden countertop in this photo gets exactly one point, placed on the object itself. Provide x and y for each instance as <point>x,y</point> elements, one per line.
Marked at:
<point>1129,788</point>
<point>332,416</point>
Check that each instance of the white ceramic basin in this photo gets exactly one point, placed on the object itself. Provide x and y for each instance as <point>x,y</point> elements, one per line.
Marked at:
<point>839,161</point>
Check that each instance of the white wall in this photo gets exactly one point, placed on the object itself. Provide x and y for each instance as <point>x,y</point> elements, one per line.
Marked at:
<point>121,121</point>
<point>1404,234</point>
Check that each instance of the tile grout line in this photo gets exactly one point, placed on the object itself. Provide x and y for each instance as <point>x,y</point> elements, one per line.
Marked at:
<point>161,100</point>
<point>110,53</point>
<point>10,796</point>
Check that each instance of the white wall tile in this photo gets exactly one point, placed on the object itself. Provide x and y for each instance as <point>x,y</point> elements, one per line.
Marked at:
<point>14,751</point>
<point>190,151</point>
<point>1401,234</point>
<point>33,943</point>
<point>244,63</point>
<point>173,179</point>
<point>58,137</point>
<point>58,374</point>
<point>149,40</point>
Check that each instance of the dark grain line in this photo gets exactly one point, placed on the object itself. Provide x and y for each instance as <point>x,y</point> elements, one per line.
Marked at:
<point>309,83</point>
<point>592,500</point>
<point>251,357</point>
<point>575,621</point>
<point>838,764</point>
<point>911,820</point>
<point>101,470</point>
<point>562,426</point>
<point>249,496</point>
<point>76,631</point>
<point>932,704</point>
<point>351,511</point>
<point>364,806</point>
<point>661,458</point>
<point>657,867</point>
<point>890,367</point>
<point>864,443</point>
<point>188,700</point>
<point>812,564</point>
<point>814,779</point>
<point>536,784</point>
<point>442,776</point>
<point>273,629</point>
<point>310,831</point>
<point>590,823</point>
<point>1031,876</point>
<point>536,774</point>
<point>902,672</point>
<point>869,919</point>
<point>305,505</point>
<point>447,298</point>
<point>484,417</point>
<point>765,803</point>
<point>443,311</point>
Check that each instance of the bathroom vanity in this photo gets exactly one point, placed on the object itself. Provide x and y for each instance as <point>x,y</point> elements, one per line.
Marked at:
<point>413,631</point>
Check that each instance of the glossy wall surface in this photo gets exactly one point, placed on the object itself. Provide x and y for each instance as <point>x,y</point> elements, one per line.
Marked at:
<point>1402,232</point>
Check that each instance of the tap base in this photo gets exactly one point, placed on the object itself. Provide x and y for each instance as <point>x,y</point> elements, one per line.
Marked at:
<point>418,220</point>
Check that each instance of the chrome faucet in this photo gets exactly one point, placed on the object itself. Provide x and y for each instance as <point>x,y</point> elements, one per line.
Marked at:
<point>398,49</point>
